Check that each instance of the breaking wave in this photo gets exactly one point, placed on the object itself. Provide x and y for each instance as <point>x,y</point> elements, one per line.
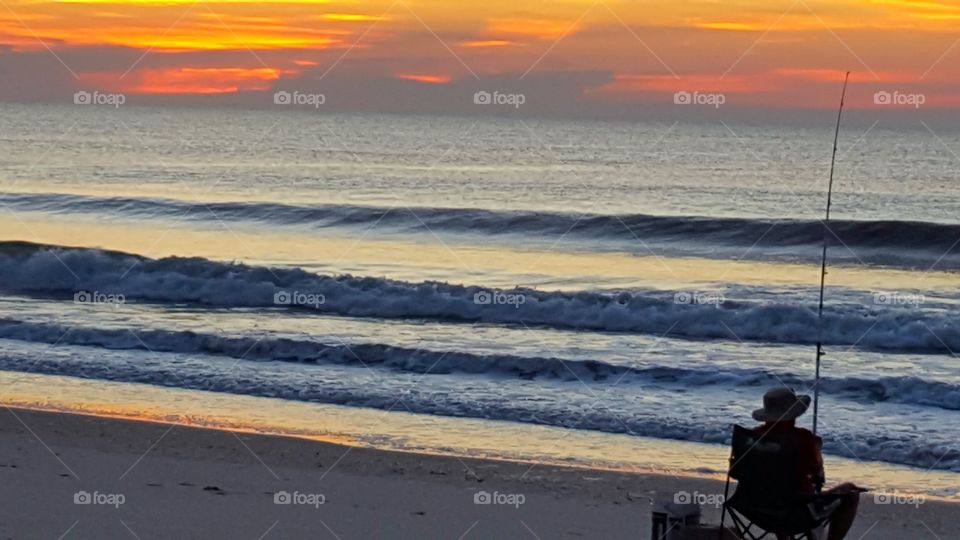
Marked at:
<point>64,271</point>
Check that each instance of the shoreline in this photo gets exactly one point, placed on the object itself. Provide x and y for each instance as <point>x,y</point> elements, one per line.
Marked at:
<point>427,434</point>
<point>223,483</point>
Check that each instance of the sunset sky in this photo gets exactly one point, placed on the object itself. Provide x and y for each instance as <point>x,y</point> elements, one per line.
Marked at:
<point>568,52</point>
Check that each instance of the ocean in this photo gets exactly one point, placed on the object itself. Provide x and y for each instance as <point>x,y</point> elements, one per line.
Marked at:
<point>642,279</point>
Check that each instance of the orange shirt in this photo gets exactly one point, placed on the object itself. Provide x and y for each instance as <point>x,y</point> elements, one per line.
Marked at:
<point>810,466</point>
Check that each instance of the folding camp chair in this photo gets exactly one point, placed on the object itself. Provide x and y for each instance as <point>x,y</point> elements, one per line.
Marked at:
<point>766,501</point>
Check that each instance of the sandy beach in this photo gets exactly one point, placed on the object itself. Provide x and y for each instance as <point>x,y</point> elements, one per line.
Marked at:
<point>151,480</point>
<point>456,270</point>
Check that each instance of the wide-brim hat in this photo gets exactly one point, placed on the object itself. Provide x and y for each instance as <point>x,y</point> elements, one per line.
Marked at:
<point>781,404</point>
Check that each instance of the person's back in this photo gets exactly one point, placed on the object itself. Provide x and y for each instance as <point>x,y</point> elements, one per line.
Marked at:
<point>801,453</point>
<point>802,447</point>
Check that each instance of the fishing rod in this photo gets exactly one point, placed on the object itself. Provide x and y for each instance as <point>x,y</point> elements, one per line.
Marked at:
<point>823,260</point>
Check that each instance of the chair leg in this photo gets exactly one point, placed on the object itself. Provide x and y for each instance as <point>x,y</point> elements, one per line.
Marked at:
<point>743,528</point>
<point>723,511</point>
<point>726,497</point>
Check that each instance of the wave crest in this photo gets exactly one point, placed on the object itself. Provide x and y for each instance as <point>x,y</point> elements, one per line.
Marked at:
<point>902,243</point>
<point>54,270</point>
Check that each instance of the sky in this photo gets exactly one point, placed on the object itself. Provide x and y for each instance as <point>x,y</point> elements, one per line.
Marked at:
<point>554,56</point>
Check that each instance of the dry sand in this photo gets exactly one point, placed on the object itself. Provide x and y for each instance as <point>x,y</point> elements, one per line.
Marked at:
<point>183,482</point>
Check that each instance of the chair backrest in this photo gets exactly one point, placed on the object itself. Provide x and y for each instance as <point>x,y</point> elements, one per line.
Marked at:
<point>764,464</point>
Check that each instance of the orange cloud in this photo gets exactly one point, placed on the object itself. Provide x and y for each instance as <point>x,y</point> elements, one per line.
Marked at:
<point>484,43</point>
<point>926,11</point>
<point>629,83</point>
<point>535,28</point>
<point>426,79</point>
<point>168,29</point>
<point>836,75</point>
<point>352,17</point>
<point>211,80</point>
<point>738,26</point>
<point>835,15</point>
<point>172,2</point>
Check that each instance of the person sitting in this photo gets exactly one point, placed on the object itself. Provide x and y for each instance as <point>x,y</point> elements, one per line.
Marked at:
<point>781,408</point>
